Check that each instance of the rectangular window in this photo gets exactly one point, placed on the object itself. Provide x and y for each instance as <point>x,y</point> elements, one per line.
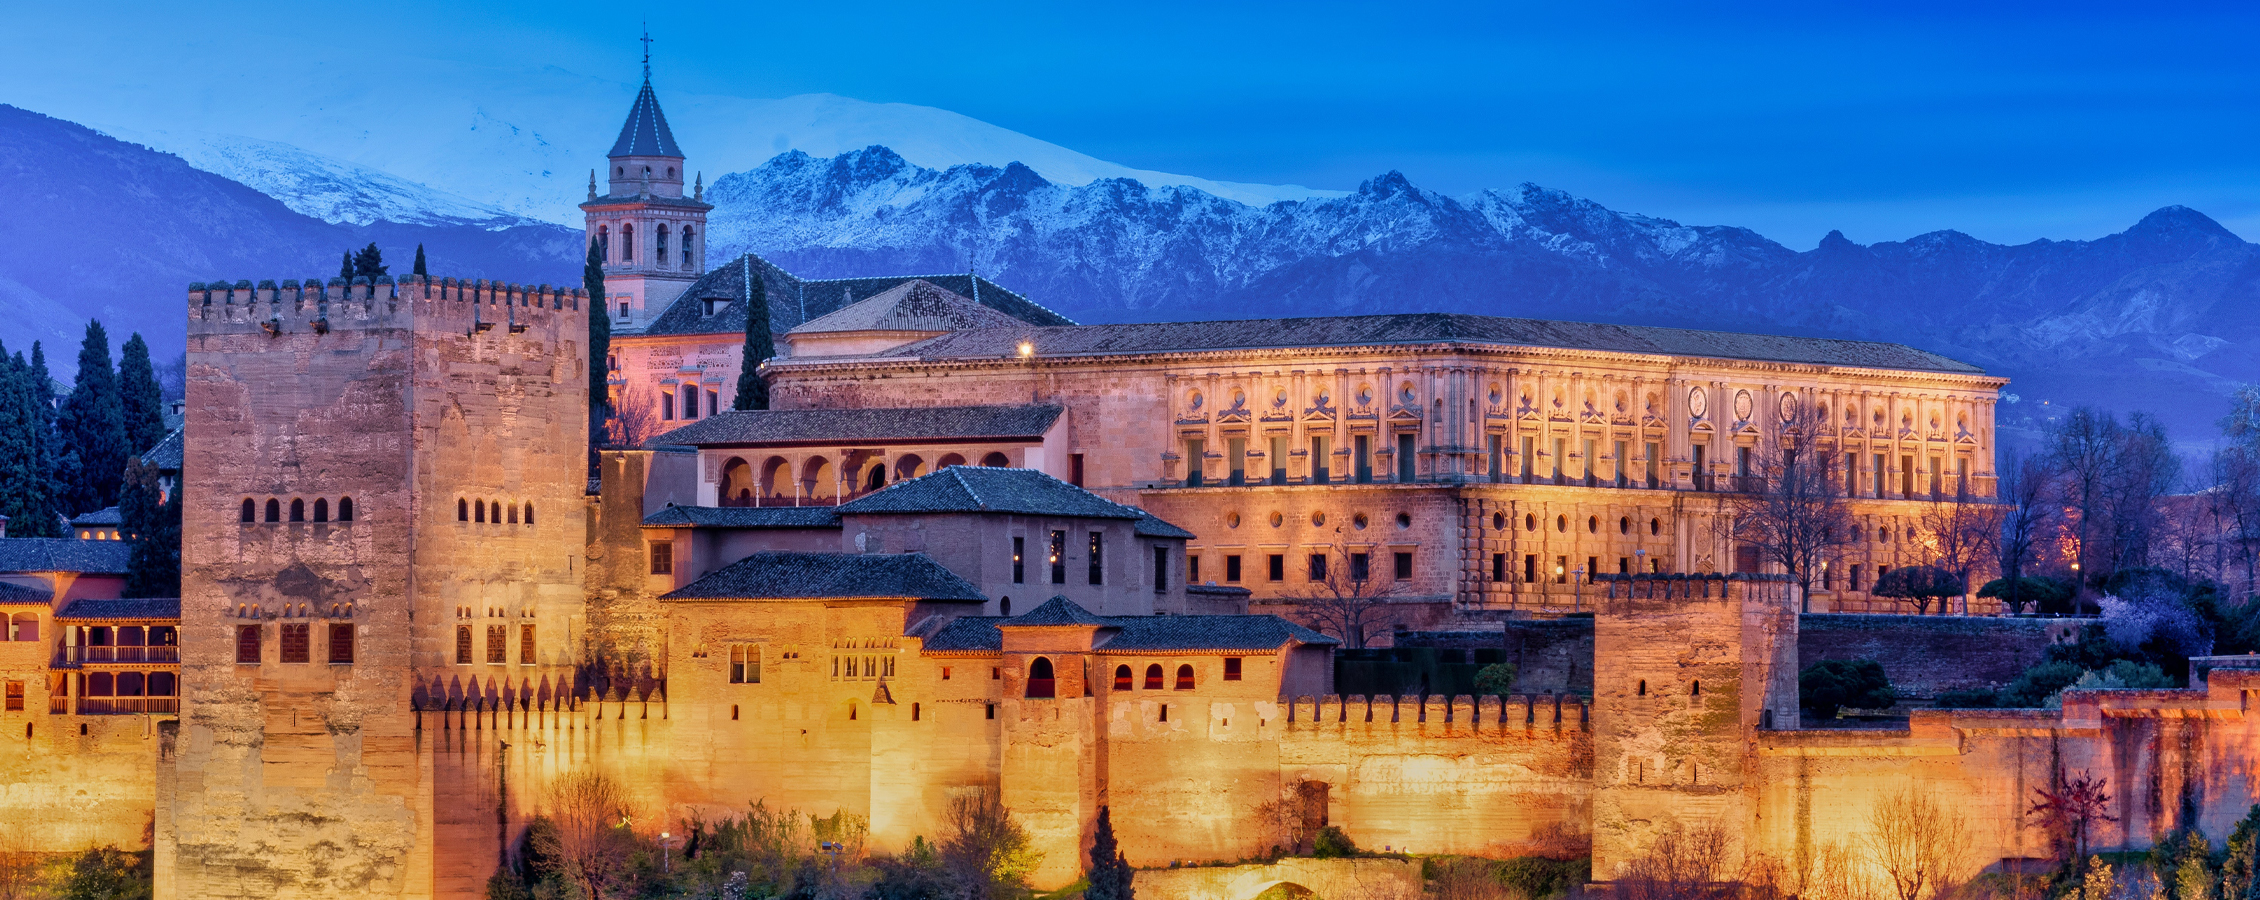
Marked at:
<point>297,640</point>
<point>1498,567</point>
<point>713,402</point>
<point>1624,565</point>
<point>1231,668</point>
<point>1561,570</point>
<point>1279,460</point>
<point>1585,452</point>
<point>341,643</point>
<point>1075,469</point>
<point>1276,566</point>
<point>1852,581</point>
<point>526,655</point>
<point>662,557</point>
<point>498,644</point>
<point>1702,470</point>
<point>1828,578</point>
<point>1232,569</point>
<point>1361,567</point>
<point>1403,566</point>
<point>1161,570</point>
<point>1361,449</point>
<point>1407,461</point>
<point>1236,454</point>
<point>690,402</point>
<point>1879,475</point>
<point>1592,568</point>
<point>1059,557</point>
<point>1319,470</point>
<point>1616,464</point>
<point>15,696</point>
<point>1937,472</point>
<point>745,664</point>
<point>1962,478</point>
<point>247,644</point>
<point>1494,451</point>
<point>1318,567</point>
<point>1192,568</point>
<point>1019,560</point>
<point>1530,568</point>
<point>1906,476</point>
<point>1529,458</point>
<point>1194,462</point>
<point>462,645</point>
<point>1650,449</point>
<point>1561,449</point>
<point>1851,474</point>
<point>666,406</point>
<point>1098,558</point>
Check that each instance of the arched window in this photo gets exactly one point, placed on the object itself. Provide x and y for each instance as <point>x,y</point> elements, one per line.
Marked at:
<point>1004,606</point>
<point>776,477</point>
<point>513,514</point>
<point>250,513</point>
<point>297,510</point>
<point>686,247</point>
<point>25,627</point>
<point>816,479</point>
<point>851,710</point>
<point>345,509</point>
<point>627,243</point>
<point>1153,677</point>
<point>910,466</point>
<point>1122,678</point>
<point>1185,678</point>
<point>479,511</point>
<point>948,460</point>
<point>462,510</point>
<point>996,461</point>
<point>529,514</point>
<point>661,236</point>
<point>737,483</point>
<point>1040,682</point>
<point>877,480</point>
<point>1696,690</point>
<point>321,509</point>
<point>603,243</point>
<point>274,510</point>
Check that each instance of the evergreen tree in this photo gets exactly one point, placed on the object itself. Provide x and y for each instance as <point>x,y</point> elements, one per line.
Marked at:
<point>93,424</point>
<point>600,344</point>
<point>26,490</point>
<point>753,390</point>
<point>420,261</point>
<point>345,269</point>
<point>369,263</point>
<point>47,448</point>
<point>151,523</point>
<point>141,400</point>
<point>1109,873</point>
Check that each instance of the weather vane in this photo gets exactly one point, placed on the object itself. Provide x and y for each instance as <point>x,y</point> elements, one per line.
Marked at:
<point>647,51</point>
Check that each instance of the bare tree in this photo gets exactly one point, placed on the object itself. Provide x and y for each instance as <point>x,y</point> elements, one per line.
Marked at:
<point>633,420</point>
<point>2112,478</point>
<point>1833,872</point>
<point>19,863</point>
<point>1343,598</point>
<point>1959,533</point>
<point>591,840</point>
<point>1920,843</point>
<point>2234,500</point>
<point>1682,864</point>
<point>1794,512</point>
<point>2069,812</point>
<point>2024,495</point>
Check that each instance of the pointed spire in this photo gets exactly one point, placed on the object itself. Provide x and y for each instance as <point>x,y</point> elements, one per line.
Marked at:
<point>647,53</point>
<point>698,189</point>
<point>592,184</point>
<point>646,132</point>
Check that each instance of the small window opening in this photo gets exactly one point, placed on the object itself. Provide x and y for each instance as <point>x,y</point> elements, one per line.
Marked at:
<point>462,510</point>
<point>1122,678</point>
<point>1643,687</point>
<point>1695,690</point>
<point>250,511</point>
<point>1231,669</point>
<point>274,510</point>
<point>321,510</point>
<point>297,510</point>
<point>345,509</point>
<point>1185,678</point>
<point>914,706</point>
<point>733,712</point>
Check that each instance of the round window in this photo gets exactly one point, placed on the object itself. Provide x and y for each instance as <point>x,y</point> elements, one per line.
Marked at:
<point>1498,521</point>
<point>1404,520</point>
<point>1358,521</point>
<point>1194,400</point>
<point>1593,524</point>
<point>1278,520</point>
<point>1561,524</point>
<point>1530,521</point>
<point>1655,526</point>
<point>1231,520</point>
<point>1318,519</point>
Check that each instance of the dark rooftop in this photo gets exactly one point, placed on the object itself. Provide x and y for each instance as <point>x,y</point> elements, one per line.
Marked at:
<point>745,517</point>
<point>64,555</point>
<point>1057,611</point>
<point>970,489</point>
<point>101,517</point>
<point>1131,634</point>
<point>774,575</point>
<point>848,426</point>
<point>966,634</point>
<point>646,132</point>
<point>144,608</point>
<point>794,300</point>
<point>1150,525</point>
<point>166,456</point>
<point>1422,328</point>
<point>12,593</point>
<point>915,305</point>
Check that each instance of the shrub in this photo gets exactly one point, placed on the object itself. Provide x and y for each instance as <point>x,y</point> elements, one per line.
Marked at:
<point>2044,594</point>
<point>1496,679</point>
<point>1921,585</point>
<point>1333,843</point>
<point>2032,689</point>
<point>1830,685</point>
<point>1537,877</point>
<point>1973,698</point>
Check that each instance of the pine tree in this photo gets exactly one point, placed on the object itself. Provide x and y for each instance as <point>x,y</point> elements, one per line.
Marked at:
<point>753,390</point>
<point>93,424</point>
<point>151,523</point>
<point>25,487</point>
<point>345,269</point>
<point>420,262</point>
<point>369,263</point>
<point>142,402</point>
<point>600,343</point>
<point>44,486</point>
<point>1109,873</point>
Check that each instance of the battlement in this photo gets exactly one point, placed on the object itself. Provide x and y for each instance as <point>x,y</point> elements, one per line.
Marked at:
<point>1537,712</point>
<point>473,306</point>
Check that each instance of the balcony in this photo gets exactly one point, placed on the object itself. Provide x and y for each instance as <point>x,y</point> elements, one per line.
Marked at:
<point>128,706</point>
<point>75,655</point>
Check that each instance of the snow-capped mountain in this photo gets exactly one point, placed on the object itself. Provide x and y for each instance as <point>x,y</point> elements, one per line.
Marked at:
<point>332,190</point>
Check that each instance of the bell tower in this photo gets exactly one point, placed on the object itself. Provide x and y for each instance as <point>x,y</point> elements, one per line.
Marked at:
<point>652,237</point>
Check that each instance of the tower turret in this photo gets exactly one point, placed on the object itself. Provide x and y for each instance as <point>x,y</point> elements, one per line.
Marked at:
<point>652,238</point>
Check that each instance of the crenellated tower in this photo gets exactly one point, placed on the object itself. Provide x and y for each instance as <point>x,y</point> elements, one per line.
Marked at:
<point>651,236</point>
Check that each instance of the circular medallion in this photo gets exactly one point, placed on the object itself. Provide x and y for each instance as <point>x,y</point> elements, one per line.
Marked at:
<point>1742,404</point>
<point>1696,404</point>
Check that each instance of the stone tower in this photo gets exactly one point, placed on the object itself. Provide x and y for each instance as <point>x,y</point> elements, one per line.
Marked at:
<point>1692,664</point>
<point>385,499</point>
<point>652,237</point>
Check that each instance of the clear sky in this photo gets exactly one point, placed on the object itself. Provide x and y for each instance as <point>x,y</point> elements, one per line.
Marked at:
<point>1884,120</point>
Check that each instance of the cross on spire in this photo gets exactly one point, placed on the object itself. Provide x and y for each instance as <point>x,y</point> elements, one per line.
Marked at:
<point>647,53</point>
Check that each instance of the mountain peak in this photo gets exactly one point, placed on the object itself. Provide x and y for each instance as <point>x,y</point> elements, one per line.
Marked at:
<point>1836,241</point>
<point>2180,223</point>
<point>1388,184</point>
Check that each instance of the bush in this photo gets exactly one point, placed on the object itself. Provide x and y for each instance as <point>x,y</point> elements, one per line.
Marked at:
<point>1921,585</point>
<point>107,873</point>
<point>1830,685</point>
<point>1333,843</point>
<point>2032,689</point>
<point>1975,698</point>
<point>1537,877</point>
<point>2043,594</point>
<point>1495,680</point>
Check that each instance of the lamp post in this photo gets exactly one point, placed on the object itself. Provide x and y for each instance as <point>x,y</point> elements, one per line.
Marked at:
<point>1578,605</point>
<point>664,857</point>
<point>1639,560</point>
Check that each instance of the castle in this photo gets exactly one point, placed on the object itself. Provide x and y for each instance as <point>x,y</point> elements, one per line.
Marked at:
<point>975,546</point>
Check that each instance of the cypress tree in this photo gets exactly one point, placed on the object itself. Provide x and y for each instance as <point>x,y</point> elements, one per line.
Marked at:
<point>152,526</point>
<point>420,261</point>
<point>345,268</point>
<point>760,345</point>
<point>142,402</point>
<point>1109,872</point>
<point>93,424</point>
<point>600,344</point>
<point>24,484</point>
<point>44,515</point>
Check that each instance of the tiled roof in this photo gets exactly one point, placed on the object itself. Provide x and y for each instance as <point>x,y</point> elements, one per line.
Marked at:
<point>745,517</point>
<point>969,489</point>
<point>166,456</point>
<point>1141,634</point>
<point>167,608</point>
<point>775,575</point>
<point>966,634</point>
<point>64,555</point>
<point>914,305</point>
<point>12,593</point>
<point>794,300</point>
<point>1150,525</point>
<point>1423,328</point>
<point>108,516</point>
<point>842,426</point>
<point>1057,611</point>
<point>646,132</point>
<point>645,200</point>
<point>1221,590</point>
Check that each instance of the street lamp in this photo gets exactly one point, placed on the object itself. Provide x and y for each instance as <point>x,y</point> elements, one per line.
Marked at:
<point>1639,560</point>
<point>1578,605</point>
<point>664,856</point>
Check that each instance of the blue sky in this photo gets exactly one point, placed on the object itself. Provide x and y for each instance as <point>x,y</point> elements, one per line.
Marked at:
<point>1883,120</point>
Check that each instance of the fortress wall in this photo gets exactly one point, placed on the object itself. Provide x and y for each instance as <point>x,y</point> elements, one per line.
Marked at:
<point>63,791</point>
<point>1929,655</point>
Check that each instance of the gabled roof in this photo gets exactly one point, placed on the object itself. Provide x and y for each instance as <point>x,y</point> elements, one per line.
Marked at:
<point>1150,525</point>
<point>966,634</point>
<point>968,489</point>
<point>1057,611</point>
<point>1131,634</point>
<point>846,426</point>
<point>914,305</point>
<point>166,456</point>
<point>143,609</point>
<point>106,516</point>
<point>12,594</point>
<point>646,132</point>
<point>64,555</point>
<point>777,575</point>
<point>794,300</point>
<point>745,517</point>
<point>1423,328</point>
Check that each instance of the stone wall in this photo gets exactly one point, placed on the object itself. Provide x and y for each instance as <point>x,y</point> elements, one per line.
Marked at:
<point>1327,879</point>
<point>77,781</point>
<point>1929,655</point>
